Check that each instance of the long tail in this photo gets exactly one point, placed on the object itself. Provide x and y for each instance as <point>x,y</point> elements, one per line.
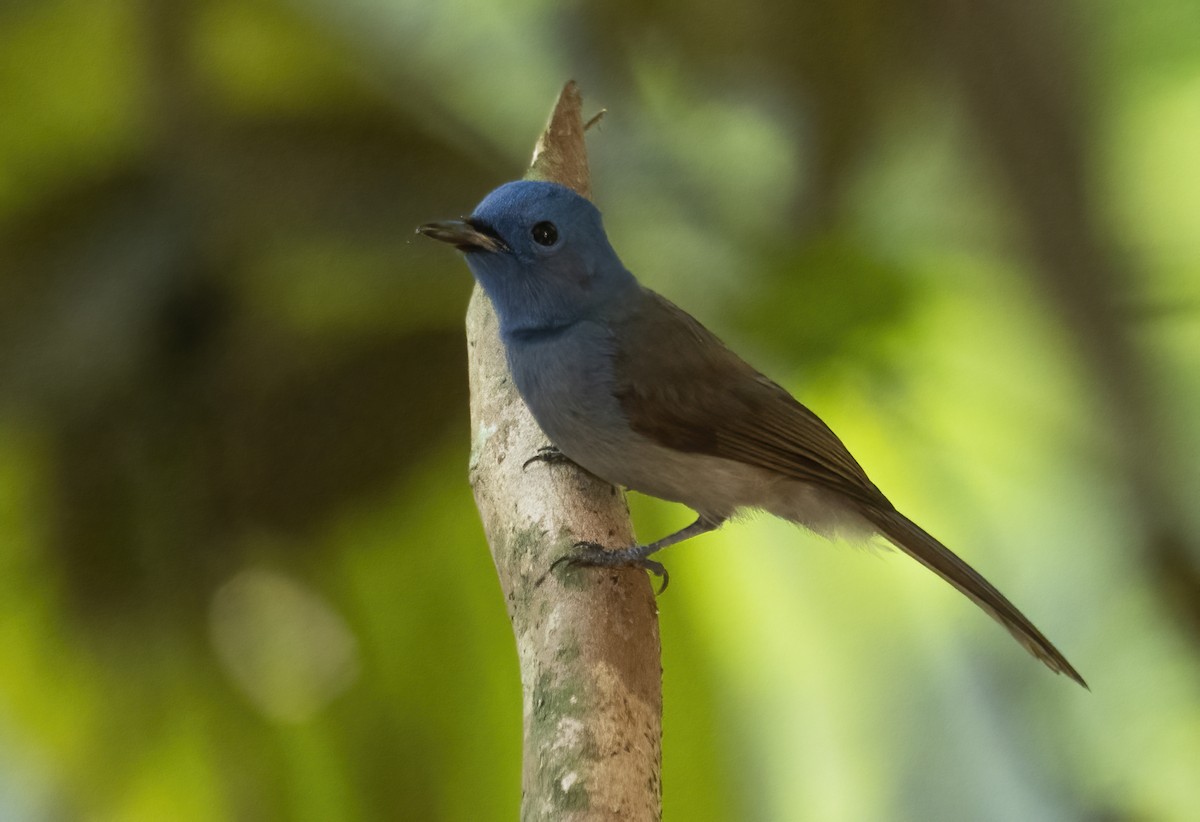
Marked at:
<point>926,550</point>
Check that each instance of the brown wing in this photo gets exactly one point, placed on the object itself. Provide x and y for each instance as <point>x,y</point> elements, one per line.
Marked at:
<point>681,387</point>
<point>694,394</point>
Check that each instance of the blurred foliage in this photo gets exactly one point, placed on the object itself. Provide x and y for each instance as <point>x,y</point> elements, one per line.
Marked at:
<point>240,571</point>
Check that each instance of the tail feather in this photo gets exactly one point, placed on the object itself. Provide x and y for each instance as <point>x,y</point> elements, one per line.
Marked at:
<point>910,538</point>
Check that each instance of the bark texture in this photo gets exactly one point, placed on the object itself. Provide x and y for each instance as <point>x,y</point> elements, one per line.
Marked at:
<point>587,639</point>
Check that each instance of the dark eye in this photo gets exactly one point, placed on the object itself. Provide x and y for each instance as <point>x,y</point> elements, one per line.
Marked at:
<point>545,233</point>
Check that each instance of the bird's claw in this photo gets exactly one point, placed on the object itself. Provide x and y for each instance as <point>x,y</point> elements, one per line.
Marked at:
<point>548,454</point>
<point>595,555</point>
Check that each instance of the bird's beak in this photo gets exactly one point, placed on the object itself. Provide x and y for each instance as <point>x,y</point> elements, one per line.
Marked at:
<point>465,235</point>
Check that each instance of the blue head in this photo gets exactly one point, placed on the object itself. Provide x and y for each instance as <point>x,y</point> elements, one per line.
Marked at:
<point>540,252</point>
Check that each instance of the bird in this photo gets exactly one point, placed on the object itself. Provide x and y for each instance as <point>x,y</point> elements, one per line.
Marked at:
<point>639,393</point>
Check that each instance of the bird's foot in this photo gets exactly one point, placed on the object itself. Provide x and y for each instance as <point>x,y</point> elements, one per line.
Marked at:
<point>548,454</point>
<point>595,555</point>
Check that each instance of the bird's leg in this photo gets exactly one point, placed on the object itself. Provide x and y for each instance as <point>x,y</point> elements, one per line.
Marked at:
<point>592,554</point>
<point>548,454</point>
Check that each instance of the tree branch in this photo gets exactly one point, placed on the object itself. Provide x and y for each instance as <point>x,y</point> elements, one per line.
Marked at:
<point>587,639</point>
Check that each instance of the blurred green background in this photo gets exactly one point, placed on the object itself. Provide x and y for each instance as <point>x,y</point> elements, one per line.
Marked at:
<point>241,576</point>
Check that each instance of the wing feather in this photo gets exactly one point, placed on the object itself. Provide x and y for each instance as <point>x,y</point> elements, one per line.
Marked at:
<point>705,399</point>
